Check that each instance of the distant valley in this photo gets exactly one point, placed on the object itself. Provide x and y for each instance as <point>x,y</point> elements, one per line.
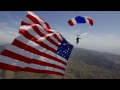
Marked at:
<point>82,64</point>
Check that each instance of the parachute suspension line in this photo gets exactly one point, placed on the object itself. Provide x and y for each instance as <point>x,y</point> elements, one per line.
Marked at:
<point>78,35</point>
<point>76,12</point>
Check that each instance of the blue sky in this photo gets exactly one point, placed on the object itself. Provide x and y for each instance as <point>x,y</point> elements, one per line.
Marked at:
<point>103,36</point>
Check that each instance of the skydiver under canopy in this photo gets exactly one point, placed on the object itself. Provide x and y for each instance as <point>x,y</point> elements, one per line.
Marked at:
<point>77,39</point>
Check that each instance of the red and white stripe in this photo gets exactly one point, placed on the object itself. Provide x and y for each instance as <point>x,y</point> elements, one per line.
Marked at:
<point>72,22</point>
<point>88,20</point>
<point>32,18</point>
<point>34,50</point>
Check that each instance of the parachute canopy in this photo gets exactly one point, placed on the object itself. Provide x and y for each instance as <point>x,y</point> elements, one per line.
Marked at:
<point>80,20</point>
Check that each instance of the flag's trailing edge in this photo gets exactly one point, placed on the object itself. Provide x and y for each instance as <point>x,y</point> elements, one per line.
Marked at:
<point>36,49</point>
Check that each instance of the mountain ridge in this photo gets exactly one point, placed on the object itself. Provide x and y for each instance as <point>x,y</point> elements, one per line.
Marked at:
<point>82,64</point>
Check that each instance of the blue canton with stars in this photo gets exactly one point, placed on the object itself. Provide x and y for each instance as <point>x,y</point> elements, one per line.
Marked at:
<point>65,49</point>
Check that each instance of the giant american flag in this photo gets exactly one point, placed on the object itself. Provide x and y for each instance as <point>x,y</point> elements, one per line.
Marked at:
<point>37,48</point>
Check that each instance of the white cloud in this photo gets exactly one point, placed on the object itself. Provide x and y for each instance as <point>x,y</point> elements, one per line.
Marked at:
<point>108,40</point>
<point>104,43</point>
<point>7,37</point>
<point>7,32</point>
<point>84,34</point>
<point>12,20</point>
<point>9,29</point>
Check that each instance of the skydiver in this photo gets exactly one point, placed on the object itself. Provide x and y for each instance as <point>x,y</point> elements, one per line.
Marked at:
<point>77,40</point>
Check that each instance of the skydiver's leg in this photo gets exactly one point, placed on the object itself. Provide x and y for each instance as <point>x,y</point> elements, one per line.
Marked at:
<point>77,42</point>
